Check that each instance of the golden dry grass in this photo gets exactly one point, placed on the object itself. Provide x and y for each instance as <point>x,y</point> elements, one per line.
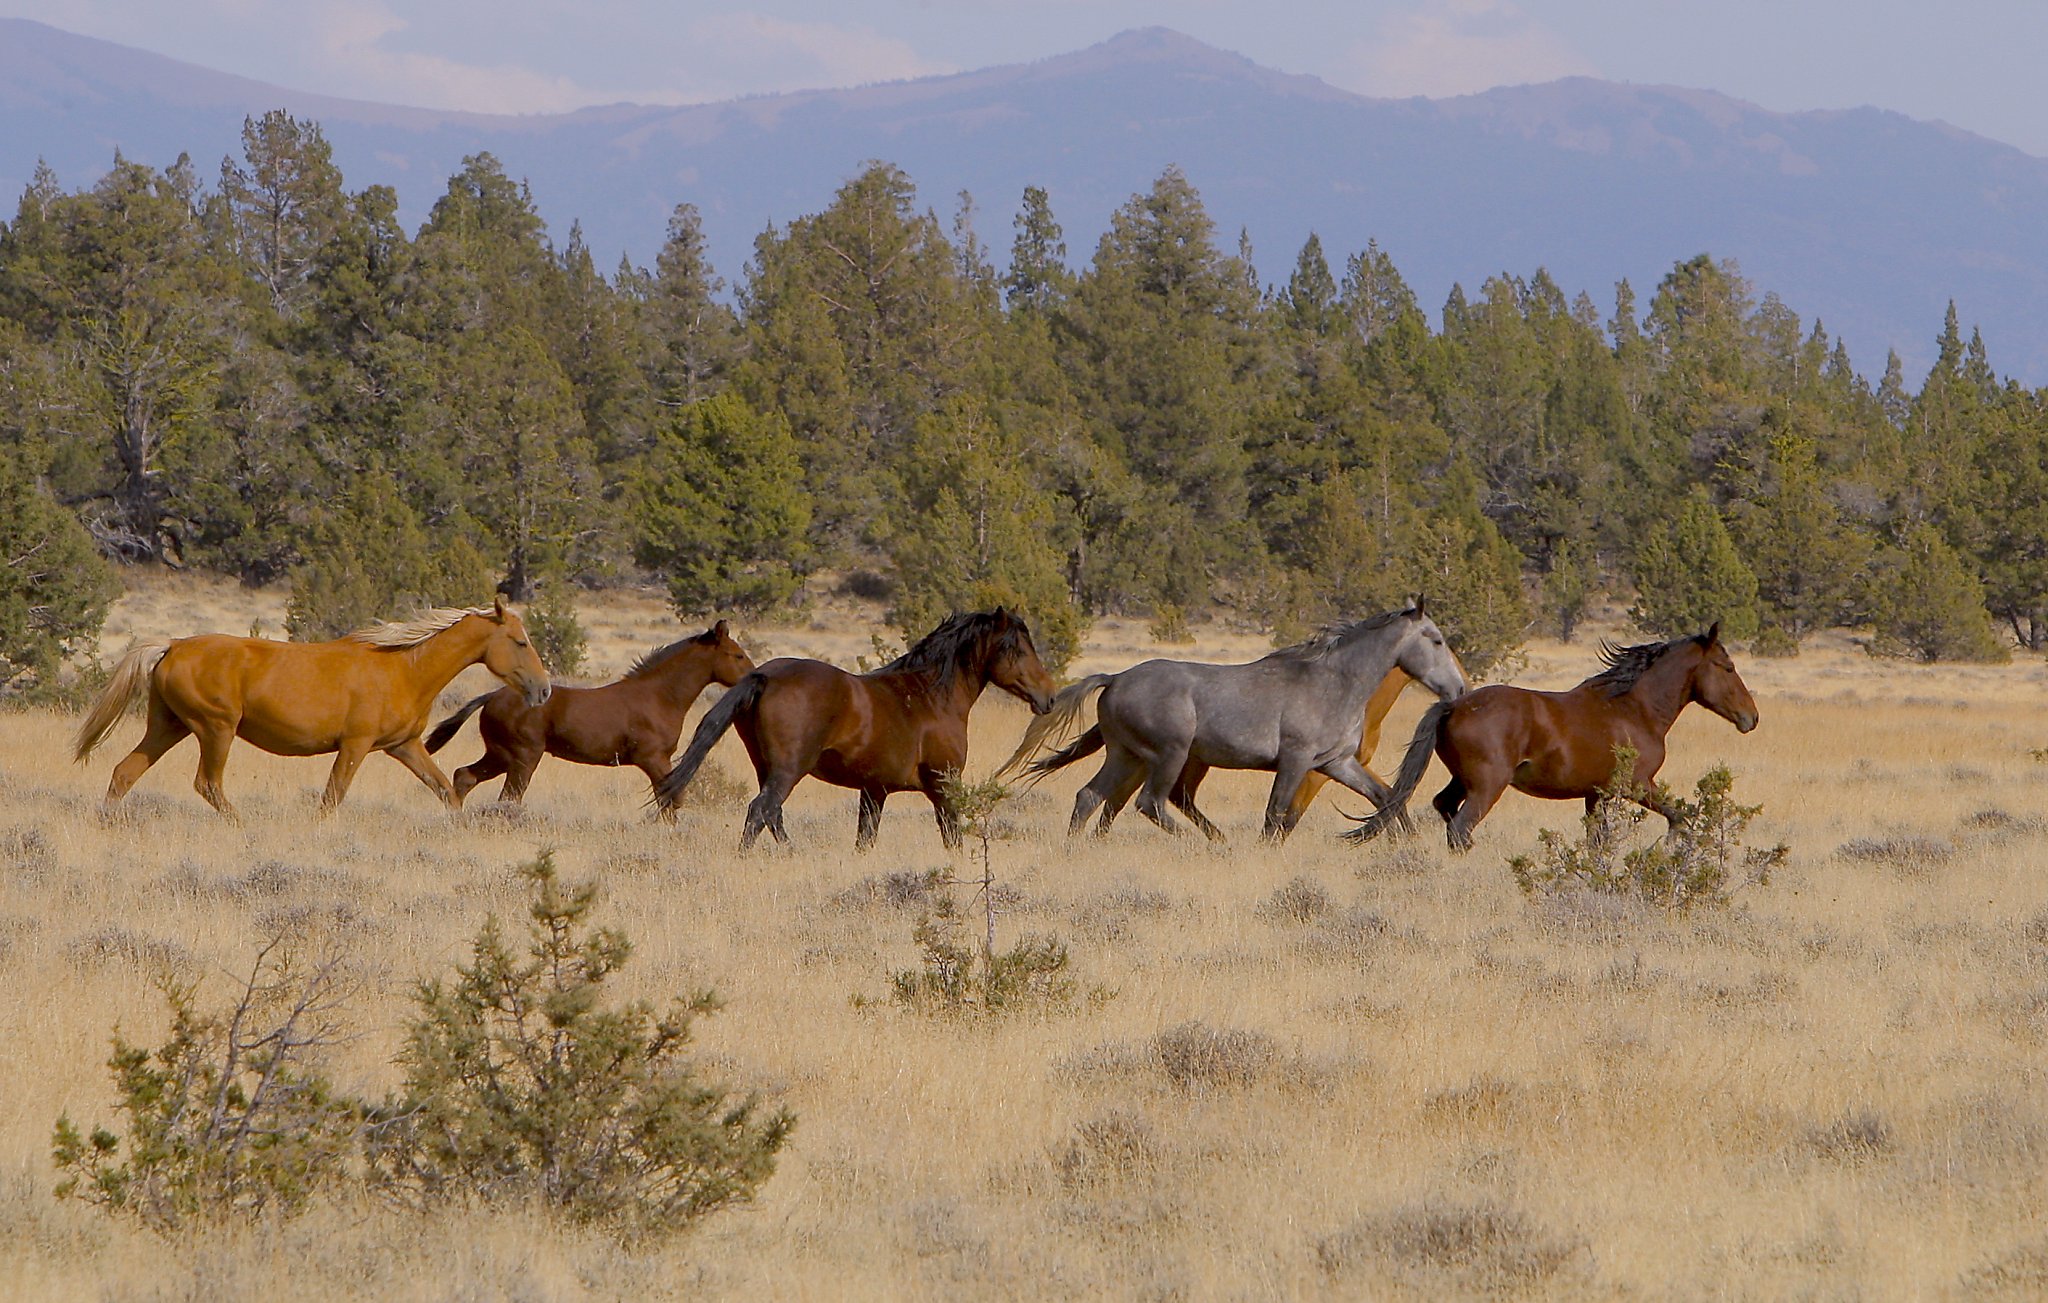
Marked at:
<point>1324,1071</point>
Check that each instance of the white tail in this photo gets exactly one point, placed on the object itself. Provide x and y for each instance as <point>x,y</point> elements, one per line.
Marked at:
<point>131,672</point>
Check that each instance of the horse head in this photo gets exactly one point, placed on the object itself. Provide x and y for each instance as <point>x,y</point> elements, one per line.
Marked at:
<point>729,661</point>
<point>1013,663</point>
<point>1425,657</point>
<point>509,654</point>
<point>1717,686</point>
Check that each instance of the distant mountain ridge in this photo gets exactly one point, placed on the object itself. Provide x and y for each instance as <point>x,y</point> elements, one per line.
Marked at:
<point>1866,219</point>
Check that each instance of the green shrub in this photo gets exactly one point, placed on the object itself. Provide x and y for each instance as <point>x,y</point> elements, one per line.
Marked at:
<point>956,975</point>
<point>225,1118</point>
<point>557,636</point>
<point>54,586</point>
<point>1700,861</point>
<point>522,1083</point>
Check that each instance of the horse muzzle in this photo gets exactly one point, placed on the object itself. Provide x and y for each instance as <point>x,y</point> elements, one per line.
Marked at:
<point>537,694</point>
<point>1041,704</point>
<point>1746,723</point>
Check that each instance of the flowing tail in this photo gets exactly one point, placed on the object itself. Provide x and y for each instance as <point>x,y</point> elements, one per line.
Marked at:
<point>1056,723</point>
<point>447,728</point>
<point>743,695</point>
<point>1413,764</point>
<point>124,685</point>
<point>1085,745</point>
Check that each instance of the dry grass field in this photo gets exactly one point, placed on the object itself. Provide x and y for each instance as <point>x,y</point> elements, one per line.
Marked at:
<point>1311,1071</point>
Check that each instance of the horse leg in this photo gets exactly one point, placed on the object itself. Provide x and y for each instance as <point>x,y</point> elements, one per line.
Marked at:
<point>1359,779</point>
<point>655,766</point>
<point>870,817</point>
<point>347,759</point>
<point>1305,795</point>
<point>1287,777</point>
<point>470,777</point>
<point>412,753</point>
<point>765,810</point>
<point>1160,773</point>
<point>942,808</point>
<point>165,731</point>
<point>1098,789</point>
<point>214,740</point>
<point>1482,789</point>
<point>1448,800</point>
<point>519,769</point>
<point>1191,776</point>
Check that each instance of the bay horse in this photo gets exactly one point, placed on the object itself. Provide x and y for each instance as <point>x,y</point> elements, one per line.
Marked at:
<point>368,691</point>
<point>901,728</point>
<point>1560,745</point>
<point>632,721</point>
<point>1296,711</point>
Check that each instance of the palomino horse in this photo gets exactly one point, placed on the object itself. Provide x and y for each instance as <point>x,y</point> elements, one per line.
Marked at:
<point>1560,745</point>
<point>1296,711</point>
<point>634,721</point>
<point>901,728</point>
<point>369,691</point>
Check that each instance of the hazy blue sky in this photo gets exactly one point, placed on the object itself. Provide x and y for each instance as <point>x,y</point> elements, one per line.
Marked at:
<point>1974,63</point>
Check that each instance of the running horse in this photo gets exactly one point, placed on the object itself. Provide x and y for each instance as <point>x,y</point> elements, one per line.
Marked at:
<point>1294,712</point>
<point>901,728</point>
<point>1182,797</point>
<point>633,721</point>
<point>1560,745</point>
<point>368,691</point>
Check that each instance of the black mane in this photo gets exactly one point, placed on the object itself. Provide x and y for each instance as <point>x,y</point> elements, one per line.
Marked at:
<point>938,655</point>
<point>654,659</point>
<point>1622,666</point>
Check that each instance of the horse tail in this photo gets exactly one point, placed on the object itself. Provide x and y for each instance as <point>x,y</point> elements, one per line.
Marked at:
<point>743,695</point>
<point>447,728</point>
<point>124,685</point>
<point>1414,762</point>
<point>1055,723</point>
<point>1085,745</point>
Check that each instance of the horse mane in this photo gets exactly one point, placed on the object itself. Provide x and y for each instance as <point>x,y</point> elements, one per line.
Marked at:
<point>936,656</point>
<point>414,631</point>
<point>1331,637</point>
<point>1622,666</point>
<point>653,660</point>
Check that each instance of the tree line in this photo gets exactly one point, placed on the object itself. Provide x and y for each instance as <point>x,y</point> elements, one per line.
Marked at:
<point>268,376</point>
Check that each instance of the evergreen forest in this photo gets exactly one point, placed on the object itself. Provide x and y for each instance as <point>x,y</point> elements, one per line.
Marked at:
<point>261,373</point>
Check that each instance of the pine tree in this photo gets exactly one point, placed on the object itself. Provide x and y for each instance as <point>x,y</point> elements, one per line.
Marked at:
<point>976,530</point>
<point>368,559</point>
<point>720,509</point>
<point>1926,604</point>
<point>54,587</point>
<point>1689,575</point>
<point>1038,280</point>
<point>1806,558</point>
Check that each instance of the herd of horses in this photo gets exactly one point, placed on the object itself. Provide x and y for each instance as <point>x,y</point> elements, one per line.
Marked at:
<point>1309,714</point>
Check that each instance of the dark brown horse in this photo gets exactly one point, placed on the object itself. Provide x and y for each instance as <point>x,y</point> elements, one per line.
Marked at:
<point>370,691</point>
<point>633,721</point>
<point>901,728</point>
<point>1560,745</point>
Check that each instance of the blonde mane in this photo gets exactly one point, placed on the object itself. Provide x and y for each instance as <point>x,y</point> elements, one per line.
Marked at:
<point>412,632</point>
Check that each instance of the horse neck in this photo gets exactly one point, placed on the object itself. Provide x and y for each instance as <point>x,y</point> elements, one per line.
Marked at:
<point>677,680</point>
<point>1367,660</point>
<point>448,653</point>
<point>1663,690</point>
<point>958,697</point>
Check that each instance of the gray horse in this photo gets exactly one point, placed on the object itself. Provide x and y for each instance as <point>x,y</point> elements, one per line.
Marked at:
<point>1295,710</point>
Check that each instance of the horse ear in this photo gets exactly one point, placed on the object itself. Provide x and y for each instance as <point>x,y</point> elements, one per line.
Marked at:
<point>498,607</point>
<point>723,629</point>
<point>1712,635</point>
<point>1415,611</point>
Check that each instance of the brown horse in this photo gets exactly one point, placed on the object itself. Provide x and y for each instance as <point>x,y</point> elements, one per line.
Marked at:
<point>901,728</point>
<point>634,721</point>
<point>1560,745</point>
<point>369,691</point>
